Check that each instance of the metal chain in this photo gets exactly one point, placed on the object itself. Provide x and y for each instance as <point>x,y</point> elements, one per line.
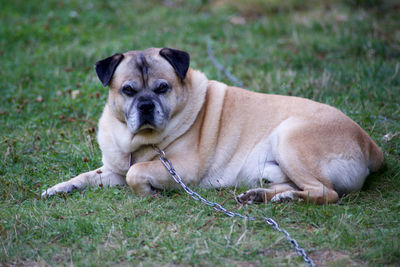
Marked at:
<point>219,66</point>
<point>218,207</point>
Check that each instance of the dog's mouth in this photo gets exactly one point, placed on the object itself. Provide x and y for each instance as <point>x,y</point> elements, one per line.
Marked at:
<point>146,121</point>
<point>144,124</point>
<point>146,131</point>
<point>146,116</point>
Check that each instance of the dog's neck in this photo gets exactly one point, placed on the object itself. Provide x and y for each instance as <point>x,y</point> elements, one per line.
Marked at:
<point>196,89</point>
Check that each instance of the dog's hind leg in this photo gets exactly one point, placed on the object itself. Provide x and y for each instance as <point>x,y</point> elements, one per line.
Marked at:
<point>313,186</point>
<point>299,158</point>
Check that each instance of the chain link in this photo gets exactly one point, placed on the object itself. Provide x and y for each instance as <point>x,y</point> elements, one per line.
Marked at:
<point>220,67</point>
<point>218,207</point>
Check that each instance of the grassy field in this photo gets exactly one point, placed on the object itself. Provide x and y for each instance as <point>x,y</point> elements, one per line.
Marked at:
<point>346,54</point>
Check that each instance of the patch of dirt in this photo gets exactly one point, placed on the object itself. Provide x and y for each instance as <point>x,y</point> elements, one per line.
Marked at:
<point>331,257</point>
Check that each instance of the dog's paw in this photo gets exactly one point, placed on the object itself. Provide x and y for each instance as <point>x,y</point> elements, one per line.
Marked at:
<point>284,196</point>
<point>65,187</point>
<point>252,196</point>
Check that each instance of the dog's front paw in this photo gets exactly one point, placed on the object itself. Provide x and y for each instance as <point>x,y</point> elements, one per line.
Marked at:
<point>65,187</point>
<point>251,196</point>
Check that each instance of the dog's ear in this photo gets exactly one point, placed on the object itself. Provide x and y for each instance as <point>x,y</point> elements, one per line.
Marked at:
<point>178,59</point>
<point>105,68</point>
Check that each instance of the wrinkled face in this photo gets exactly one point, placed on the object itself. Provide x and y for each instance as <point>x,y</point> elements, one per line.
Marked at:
<point>146,90</point>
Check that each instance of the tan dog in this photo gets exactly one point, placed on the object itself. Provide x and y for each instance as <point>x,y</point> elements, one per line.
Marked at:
<point>219,136</point>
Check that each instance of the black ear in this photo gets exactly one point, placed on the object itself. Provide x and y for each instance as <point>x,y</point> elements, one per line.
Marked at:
<point>105,68</point>
<point>178,59</point>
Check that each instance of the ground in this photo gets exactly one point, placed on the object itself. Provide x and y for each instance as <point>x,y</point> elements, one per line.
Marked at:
<point>343,53</point>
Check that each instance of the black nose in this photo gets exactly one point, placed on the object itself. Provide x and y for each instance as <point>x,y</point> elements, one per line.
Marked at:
<point>146,106</point>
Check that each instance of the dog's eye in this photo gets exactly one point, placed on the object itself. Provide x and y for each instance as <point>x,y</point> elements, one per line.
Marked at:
<point>162,88</point>
<point>128,90</point>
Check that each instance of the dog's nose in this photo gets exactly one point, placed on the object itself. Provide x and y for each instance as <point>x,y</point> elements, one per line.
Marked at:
<point>146,106</point>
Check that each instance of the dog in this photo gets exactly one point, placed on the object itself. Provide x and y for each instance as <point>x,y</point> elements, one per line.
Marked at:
<point>281,147</point>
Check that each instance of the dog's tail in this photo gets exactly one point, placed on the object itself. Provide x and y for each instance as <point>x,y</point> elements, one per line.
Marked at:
<point>376,158</point>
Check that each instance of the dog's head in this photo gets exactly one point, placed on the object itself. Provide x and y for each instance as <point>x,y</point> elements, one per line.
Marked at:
<point>146,87</point>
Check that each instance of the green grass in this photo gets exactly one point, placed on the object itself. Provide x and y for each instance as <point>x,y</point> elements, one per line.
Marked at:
<point>346,54</point>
